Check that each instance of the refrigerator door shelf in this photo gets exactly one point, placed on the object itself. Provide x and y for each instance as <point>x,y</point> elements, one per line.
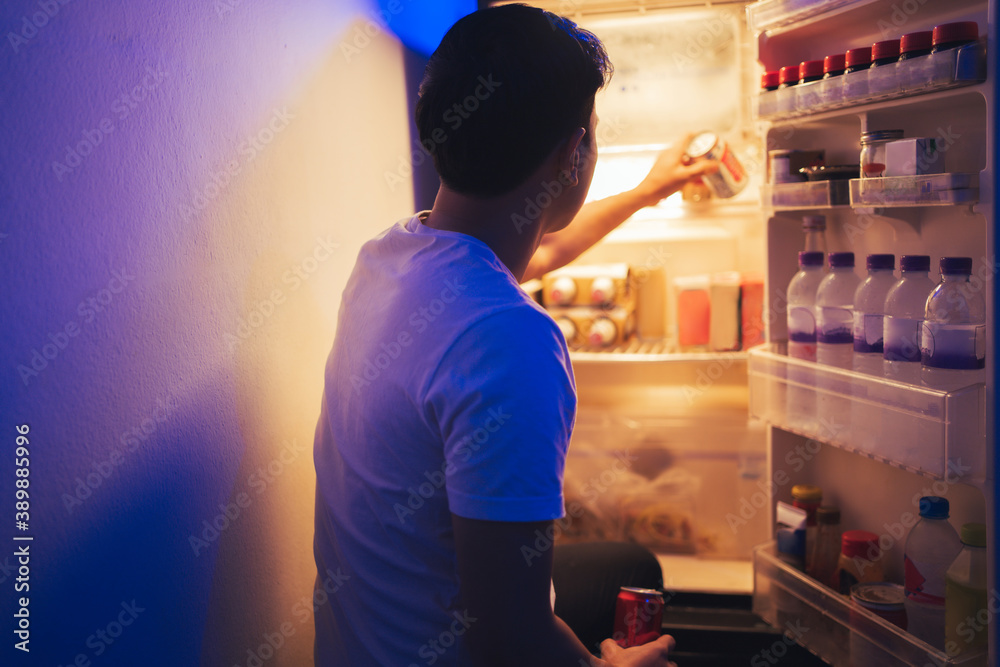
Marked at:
<point>954,68</point>
<point>830,626</point>
<point>924,190</point>
<point>810,195</point>
<point>935,433</point>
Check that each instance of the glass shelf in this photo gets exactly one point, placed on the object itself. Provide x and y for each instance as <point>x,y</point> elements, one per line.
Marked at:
<point>830,626</point>
<point>954,68</point>
<point>926,190</point>
<point>814,194</point>
<point>933,432</point>
<point>770,15</point>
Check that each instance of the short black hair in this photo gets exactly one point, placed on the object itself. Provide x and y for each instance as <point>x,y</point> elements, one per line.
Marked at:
<point>503,88</point>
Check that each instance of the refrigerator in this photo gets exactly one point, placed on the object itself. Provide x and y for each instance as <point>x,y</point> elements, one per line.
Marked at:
<point>688,447</point>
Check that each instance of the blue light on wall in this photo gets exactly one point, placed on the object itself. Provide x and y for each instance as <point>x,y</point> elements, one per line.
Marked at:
<point>420,24</point>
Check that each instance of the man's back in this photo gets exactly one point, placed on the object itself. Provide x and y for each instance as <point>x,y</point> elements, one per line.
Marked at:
<point>447,391</point>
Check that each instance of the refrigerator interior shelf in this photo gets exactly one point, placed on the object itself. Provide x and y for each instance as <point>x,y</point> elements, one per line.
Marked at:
<point>953,68</point>
<point>926,190</point>
<point>773,15</point>
<point>830,626</point>
<point>813,194</point>
<point>636,350</point>
<point>936,433</point>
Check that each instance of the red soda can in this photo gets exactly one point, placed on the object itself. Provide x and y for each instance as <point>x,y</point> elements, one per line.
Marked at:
<point>638,616</point>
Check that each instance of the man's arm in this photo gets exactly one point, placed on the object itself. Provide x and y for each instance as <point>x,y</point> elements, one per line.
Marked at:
<point>596,219</point>
<point>505,582</point>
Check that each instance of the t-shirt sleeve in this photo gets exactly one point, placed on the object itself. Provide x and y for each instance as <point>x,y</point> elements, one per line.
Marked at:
<point>504,400</point>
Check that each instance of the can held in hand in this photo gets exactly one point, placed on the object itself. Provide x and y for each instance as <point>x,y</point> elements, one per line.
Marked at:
<point>731,177</point>
<point>638,616</point>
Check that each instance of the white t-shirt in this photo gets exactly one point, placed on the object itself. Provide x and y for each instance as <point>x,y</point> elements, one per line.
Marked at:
<point>448,390</point>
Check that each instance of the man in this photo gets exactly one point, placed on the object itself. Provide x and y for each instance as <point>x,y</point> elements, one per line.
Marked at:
<point>449,396</point>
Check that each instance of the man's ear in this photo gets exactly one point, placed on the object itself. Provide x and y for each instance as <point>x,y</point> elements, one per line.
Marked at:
<point>571,156</point>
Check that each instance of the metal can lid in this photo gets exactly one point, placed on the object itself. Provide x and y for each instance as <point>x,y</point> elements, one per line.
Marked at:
<point>702,144</point>
<point>881,596</point>
<point>880,135</point>
<point>648,592</point>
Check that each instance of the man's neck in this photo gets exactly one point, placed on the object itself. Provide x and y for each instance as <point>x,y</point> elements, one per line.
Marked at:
<point>502,223</point>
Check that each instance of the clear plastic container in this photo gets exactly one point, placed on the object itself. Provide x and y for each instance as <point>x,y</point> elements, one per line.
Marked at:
<point>953,337</point>
<point>931,546</point>
<point>926,190</point>
<point>948,435</point>
<point>815,194</point>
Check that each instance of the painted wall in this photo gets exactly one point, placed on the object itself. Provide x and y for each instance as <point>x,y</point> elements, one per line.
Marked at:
<point>185,188</point>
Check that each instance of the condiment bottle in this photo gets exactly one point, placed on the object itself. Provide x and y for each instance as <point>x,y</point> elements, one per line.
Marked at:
<point>965,594</point>
<point>915,44</point>
<point>885,52</point>
<point>952,35</point>
<point>788,76</point>
<point>833,65</point>
<point>823,564</point>
<point>810,70</point>
<point>860,560</point>
<point>808,498</point>
<point>858,59</point>
<point>769,80</point>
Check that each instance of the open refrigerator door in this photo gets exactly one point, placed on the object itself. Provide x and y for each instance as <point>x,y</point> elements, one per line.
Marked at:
<point>873,442</point>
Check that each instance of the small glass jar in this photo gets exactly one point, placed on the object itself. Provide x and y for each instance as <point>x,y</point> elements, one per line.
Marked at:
<point>834,65</point>
<point>915,44</point>
<point>858,59</point>
<point>873,151</point>
<point>885,53</point>
<point>952,35</point>
<point>788,76</point>
<point>769,80</point>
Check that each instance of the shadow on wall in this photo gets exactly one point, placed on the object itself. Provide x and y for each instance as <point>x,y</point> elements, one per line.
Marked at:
<point>199,266</point>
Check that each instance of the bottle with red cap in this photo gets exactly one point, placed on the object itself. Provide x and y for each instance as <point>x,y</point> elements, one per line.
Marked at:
<point>831,88</point>
<point>860,560</point>
<point>857,62</point>
<point>953,35</point>
<point>882,78</point>
<point>767,103</point>
<point>913,67</point>
<point>915,45</point>
<point>806,95</point>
